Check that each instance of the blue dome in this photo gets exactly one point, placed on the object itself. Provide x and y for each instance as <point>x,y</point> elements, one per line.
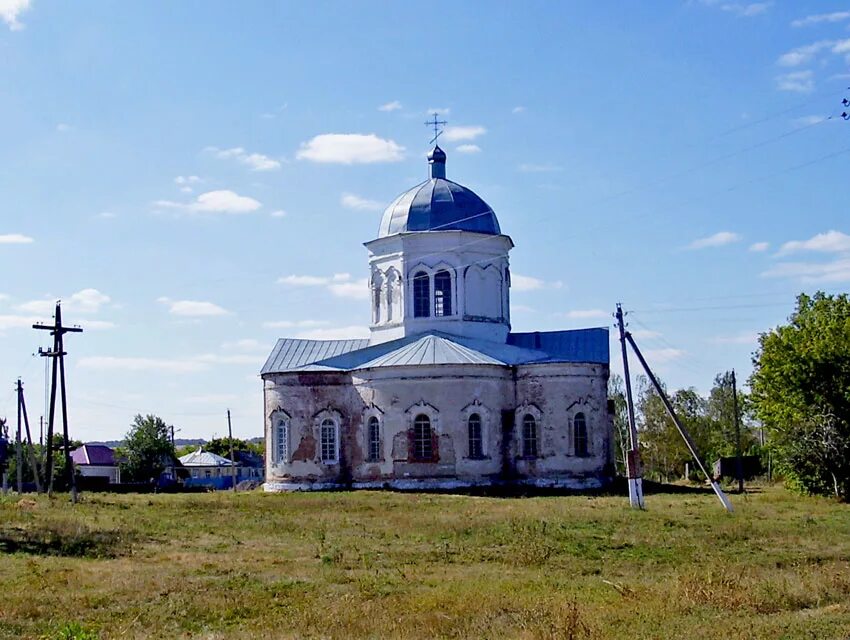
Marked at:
<point>438,205</point>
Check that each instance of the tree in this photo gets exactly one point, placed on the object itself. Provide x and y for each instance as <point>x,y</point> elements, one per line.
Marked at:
<point>148,449</point>
<point>617,398</point>
<point>801,393</point>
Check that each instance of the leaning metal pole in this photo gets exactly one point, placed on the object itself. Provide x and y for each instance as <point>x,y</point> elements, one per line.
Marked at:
<point>633,471</point>
<point>682,431</point>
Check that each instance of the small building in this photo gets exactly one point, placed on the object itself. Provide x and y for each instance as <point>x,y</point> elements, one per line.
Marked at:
<point>96,461</point>
<point>209,469</point>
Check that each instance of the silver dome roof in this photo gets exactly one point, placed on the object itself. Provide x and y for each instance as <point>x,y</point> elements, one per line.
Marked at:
<point>438,204</point>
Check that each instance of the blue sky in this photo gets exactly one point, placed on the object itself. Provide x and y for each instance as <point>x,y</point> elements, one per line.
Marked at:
<point>196,179</point>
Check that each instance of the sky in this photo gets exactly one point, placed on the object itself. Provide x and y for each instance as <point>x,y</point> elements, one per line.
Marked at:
<point>196,179</point>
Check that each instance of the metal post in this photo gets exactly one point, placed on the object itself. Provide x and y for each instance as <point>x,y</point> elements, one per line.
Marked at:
<point>739,460</point>
<point>682,431</point>
<point>633,470</point>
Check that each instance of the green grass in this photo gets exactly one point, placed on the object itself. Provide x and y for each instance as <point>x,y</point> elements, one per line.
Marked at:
<point>369,564</point>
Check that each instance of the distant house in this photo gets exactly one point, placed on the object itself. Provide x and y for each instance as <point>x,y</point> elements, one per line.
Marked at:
<point>96,461</point>
<point>212,470</point>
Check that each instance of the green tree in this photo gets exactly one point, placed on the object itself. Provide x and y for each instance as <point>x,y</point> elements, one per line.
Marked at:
<point>148,449</point>
<point>801,393</point>
<point>617,398</point>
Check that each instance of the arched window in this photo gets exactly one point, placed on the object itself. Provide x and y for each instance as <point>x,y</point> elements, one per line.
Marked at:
<point>442,294</point>
<point>421,295</point>
<point>423,448</point>
<point>476,444</point>
<point>580,434</point>
<point>529,436</point>
<point>374,439</point>
<point>281,442</point>
<point>328,437</point>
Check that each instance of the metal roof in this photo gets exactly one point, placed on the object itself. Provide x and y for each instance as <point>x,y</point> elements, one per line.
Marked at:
<point>436,348</point>
<point>291,353</point>
<point>576,345</point>
<point>201,458</point>
<point>98,454</point>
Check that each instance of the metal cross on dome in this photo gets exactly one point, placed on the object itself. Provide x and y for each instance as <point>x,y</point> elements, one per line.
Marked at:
<point>436,124</point>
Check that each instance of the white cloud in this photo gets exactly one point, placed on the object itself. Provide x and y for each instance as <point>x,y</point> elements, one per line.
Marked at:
<point>353,201</point>
<point>663,356</point>
<point>221,201</point>
<point>797,82</point>
<point>395,105</point>
<point>740,338</point>
<point>350,148</point>
<point>293,324</point>
<point>468,148</point>
<point>802,55</point>
<point>184,182</point>
<point>829,242</point>
<point>758,247</point>
<point>15,238</point>
<point>809,121</point>
<point>518,109</point>
<point>238,358</point>
<point>213,398</point>
<point>255,161</point>
<point>18,322</point>
<point>743,10</point>
<point>10,10</point>
<point>356,289</point>
<point>278,213</point>
<point>192,308</point>
<point>470,132</point>
<point>335,333</point>
<point>123,364</point>
<point>83,301</point>
<point>645,334</point>
<point>522,308</point>
<point>838,270</point>
<point>719,239</point>
<point>340,284</point>
<point>97,325</point>
<point>529,283</point>
<point>539,168</point>
<point>245,344</point>
<point>836,16</point>
<point>106,215</point>
<point>587,314</point>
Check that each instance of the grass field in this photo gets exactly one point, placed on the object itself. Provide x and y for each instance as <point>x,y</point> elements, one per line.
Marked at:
<point>369,564</point>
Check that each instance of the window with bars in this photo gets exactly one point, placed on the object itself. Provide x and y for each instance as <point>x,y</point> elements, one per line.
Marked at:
<point>442,294</point>
<point>421,295</point>
<point>423,448</point>
<point>476,443</point>
<point>282,441</point>
<point>328,441</point>
<point>529,436</point>
<point>374,435</point>
<point>580,435</point>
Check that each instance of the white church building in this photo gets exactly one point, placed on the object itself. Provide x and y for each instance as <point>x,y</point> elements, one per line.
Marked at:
<point>443,394</point>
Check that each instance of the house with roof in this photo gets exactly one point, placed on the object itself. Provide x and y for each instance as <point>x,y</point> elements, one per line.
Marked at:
<point>442,394</point>
<point>96,461</point>
<point>206,468</point>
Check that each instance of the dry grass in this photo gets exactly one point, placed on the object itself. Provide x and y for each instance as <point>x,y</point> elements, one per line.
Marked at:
<point>341,565</point>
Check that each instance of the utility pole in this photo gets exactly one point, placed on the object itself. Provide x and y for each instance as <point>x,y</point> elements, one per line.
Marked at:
<point>232,459</point>
<point>682,431</point>
<point>19,454</point>
<point>57,330</point>
<point>22,408</point>
<point>739,460</point>
<point>633,470</point>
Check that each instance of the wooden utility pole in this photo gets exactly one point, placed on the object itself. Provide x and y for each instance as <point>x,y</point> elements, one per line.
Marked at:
<point>19,454</point>
<point>232,459</point>
<point>57,330</point>
<point>739,460</point>
<point>633,470</point>
<point>682,431</point>
<point>22,409</point>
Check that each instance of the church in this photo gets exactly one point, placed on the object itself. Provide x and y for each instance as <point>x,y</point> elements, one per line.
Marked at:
<point>443,395</point>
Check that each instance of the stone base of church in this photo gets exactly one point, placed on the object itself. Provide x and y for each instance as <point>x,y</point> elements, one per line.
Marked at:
<point>442,484</point>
